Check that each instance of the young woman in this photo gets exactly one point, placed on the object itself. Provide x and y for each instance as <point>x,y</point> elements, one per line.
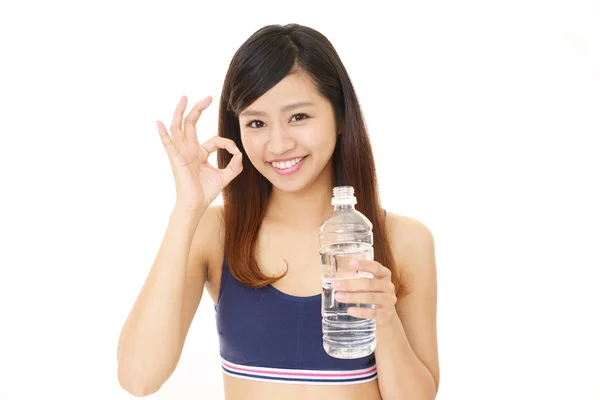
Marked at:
<point>290,129</point>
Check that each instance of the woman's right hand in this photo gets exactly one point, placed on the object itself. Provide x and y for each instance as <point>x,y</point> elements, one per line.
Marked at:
<point>197,182</point>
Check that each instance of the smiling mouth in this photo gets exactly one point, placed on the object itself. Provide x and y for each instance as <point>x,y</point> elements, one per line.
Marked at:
<point>283,165</point>
<point>288,167</point>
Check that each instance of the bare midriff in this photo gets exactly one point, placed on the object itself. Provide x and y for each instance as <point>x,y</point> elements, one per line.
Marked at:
<point>246,389</point>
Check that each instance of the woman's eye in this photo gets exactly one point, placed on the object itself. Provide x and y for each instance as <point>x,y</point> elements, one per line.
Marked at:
<point>255,124</point>
<point>299,117</point>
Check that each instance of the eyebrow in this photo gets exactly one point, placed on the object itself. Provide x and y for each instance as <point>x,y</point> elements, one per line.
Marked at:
<point>289,107</point>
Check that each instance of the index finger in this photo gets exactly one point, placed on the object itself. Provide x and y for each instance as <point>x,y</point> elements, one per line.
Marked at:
<point>219,142</point>
<point>378,270</point>
<point>178,117</point>
<point>195,113</point>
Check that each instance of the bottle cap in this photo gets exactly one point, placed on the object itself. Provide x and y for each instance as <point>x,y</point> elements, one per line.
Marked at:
<point>343,195</point>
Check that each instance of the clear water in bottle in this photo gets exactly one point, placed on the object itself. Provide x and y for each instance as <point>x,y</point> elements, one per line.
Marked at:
<point>345,234</point>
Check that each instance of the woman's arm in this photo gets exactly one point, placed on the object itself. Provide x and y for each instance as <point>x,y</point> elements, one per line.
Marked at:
<point>407,351</point>
<point>154,333</point>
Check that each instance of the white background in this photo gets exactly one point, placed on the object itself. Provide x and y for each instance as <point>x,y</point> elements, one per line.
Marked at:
<point>484,118</point>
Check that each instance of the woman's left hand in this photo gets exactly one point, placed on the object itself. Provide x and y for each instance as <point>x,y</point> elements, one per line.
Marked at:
<point>378,291</point>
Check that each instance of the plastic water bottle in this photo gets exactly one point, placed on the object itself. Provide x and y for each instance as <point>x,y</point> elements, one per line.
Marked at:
<point>345,234</point>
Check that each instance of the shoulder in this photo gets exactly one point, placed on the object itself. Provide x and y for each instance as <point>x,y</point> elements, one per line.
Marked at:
<point>211,231</point>
<point>208,237</point>
<point>212,219</point>
<point>209,228</point>
<point>413,247</point>
<point>212,227</point>
<point>408,235</point>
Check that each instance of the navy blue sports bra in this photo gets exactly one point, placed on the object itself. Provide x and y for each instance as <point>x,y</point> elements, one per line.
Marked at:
<point>268,335</point>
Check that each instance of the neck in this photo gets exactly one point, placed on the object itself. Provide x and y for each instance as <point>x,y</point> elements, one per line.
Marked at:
<point>306,208</point>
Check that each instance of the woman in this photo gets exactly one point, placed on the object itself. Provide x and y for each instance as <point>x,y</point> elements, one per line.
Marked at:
<point>290,129</point>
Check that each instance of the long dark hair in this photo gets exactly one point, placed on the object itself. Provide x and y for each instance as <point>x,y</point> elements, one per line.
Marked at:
<point>269,55</point>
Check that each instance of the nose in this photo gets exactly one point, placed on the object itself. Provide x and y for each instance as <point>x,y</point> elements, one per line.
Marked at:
<point>280,141</point>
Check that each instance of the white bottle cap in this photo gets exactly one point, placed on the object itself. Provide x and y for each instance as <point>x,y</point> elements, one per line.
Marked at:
<point>343,195</point>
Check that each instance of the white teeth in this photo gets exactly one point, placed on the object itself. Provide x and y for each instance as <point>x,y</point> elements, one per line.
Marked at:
<point>286,164</point>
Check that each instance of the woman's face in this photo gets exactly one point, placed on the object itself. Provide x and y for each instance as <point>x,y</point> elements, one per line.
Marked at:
<point>289,133</point>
